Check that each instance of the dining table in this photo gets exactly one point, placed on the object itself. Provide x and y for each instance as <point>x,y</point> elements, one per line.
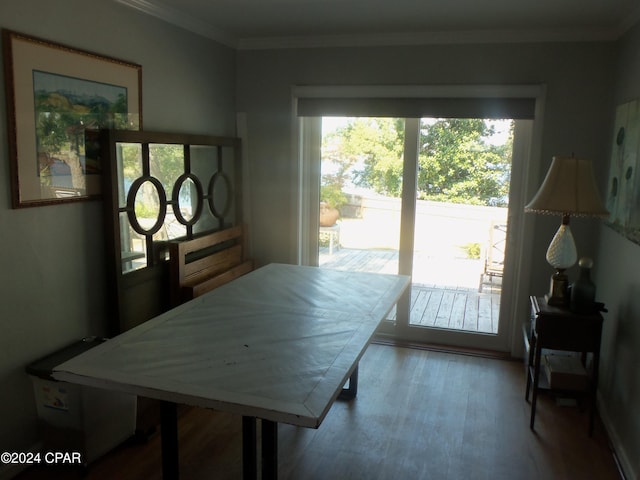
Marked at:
<point>277,345</point>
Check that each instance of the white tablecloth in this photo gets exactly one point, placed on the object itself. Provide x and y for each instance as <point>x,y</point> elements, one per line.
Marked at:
<point>278,343</point>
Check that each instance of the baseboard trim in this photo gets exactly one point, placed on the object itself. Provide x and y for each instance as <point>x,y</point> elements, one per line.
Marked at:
<point>625,466</point>
<point>390,341</point>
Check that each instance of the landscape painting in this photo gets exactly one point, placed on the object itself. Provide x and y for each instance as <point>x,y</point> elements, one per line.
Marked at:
<point>55,94</point>
<point>64,108</point>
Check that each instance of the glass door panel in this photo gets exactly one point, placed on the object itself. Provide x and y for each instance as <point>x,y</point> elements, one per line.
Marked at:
<point>448,197</point>
<point>362,227</point>
<point>458,262</point>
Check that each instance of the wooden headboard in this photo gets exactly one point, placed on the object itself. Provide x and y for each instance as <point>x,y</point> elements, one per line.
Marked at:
<point>204,263</point>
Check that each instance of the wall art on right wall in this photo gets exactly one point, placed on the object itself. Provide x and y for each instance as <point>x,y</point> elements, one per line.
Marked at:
<point>623,189</point>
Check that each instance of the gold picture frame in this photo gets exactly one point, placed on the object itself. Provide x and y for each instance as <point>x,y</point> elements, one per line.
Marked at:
<point>54,94</point>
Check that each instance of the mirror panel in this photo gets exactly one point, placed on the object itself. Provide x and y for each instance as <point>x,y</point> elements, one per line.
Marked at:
<point>187,201</point>
<point>231,171</point>
<point>129,159</point>
<point>133,246</point>
<point>155,193</point>
<point>146,205</point>
<point>166,163</point>
<point>178,190</point>
<point>220,194</point>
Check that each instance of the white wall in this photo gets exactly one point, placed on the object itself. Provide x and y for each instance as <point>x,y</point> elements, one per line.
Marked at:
<point>52,270</point>
<point>577,114</point>
<point>618,284</point>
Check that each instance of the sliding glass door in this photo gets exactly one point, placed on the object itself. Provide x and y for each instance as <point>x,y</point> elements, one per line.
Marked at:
<point>460,223</point>
<point>428,194</point>
<point>426,198</point>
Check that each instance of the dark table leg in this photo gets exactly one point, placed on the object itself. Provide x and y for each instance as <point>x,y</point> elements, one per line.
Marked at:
<point>169,440</point>
<point>594,387</point>
<point>532,349</point>
<point>269,450</point>
<point>350,392</point>
<point>536,379</point>
<point>249,450</point>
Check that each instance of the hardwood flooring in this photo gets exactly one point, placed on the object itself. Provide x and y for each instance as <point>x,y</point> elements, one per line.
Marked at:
<point>419,414</point>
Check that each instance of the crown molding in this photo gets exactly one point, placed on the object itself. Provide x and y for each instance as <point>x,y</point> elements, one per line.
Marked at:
<point>431,38</point>
<point>178,18</point>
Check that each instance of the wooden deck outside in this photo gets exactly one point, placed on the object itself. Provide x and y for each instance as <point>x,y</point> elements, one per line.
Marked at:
<point>450,294</point>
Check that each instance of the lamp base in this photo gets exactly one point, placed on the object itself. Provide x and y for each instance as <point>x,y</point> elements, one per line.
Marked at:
<point>559,289</point>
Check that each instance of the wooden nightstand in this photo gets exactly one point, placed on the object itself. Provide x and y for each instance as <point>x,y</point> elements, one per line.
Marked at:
<point>557,328</point>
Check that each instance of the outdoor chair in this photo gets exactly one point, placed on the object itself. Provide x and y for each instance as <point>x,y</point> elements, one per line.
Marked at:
<point>493,253</point>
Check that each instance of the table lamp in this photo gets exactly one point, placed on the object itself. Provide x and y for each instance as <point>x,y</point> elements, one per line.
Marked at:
<point>569,189</point>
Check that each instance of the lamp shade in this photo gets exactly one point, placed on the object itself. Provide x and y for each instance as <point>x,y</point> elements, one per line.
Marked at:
<point>568,189</point>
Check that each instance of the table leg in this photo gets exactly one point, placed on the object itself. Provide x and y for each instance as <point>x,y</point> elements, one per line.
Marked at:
<point>249,450</point>
<point>350,392</point>
<point>594,388</point>
<point>536,378</point>
<point>530,360</point>
<point>169,440</point>
<point>269,450</point>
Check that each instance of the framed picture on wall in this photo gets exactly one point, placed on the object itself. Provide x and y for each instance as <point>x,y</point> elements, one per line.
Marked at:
<point>54,94</point>
<point>623,190</point>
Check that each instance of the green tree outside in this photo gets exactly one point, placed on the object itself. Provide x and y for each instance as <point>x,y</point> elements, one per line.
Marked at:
<point>457,162</point>
<point>459,165</point>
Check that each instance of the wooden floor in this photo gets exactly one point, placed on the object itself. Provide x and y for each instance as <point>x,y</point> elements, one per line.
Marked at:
<point>419,414</point>
<point>451,295</point>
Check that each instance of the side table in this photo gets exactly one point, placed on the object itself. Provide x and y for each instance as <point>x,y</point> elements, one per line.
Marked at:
<point>557,328</point>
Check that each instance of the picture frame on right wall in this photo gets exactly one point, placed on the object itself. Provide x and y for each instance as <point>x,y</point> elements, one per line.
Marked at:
<point>623,187</point>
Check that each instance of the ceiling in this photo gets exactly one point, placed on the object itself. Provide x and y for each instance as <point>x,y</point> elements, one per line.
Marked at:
<point>253,24</point>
